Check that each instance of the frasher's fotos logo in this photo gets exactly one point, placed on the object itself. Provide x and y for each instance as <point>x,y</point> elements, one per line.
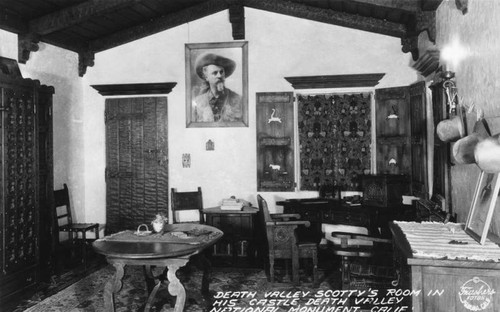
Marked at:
<point>476,294</point>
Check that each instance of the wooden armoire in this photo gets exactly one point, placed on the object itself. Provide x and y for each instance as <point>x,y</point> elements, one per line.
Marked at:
<point>26,182</point>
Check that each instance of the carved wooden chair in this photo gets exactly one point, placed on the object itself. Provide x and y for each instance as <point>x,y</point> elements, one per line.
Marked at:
<point>77,232</point>
<point>282,242</point>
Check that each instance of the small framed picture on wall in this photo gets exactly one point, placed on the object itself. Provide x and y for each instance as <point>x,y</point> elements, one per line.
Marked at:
<point>217,84</point>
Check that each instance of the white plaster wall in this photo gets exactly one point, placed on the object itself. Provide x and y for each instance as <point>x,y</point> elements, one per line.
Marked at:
<point>58,68</point>
<point>477,77</point>
<point>279,46</point>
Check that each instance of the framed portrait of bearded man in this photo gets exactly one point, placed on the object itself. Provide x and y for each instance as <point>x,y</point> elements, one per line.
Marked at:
<point>217,84</point>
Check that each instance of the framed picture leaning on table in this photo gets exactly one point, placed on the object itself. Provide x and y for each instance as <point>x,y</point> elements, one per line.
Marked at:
<point>480,222</point>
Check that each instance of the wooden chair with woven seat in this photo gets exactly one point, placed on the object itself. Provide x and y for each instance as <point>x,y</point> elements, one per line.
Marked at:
<point>77,232</point>
<point>192,202</point>
<point>282,241</point>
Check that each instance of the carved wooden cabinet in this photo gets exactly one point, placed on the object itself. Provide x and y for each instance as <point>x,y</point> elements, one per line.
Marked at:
<point>384,190</point>
<point>275,142</point>
<point>26,181</point>
<point>401,134</point>
<point>241,239</point>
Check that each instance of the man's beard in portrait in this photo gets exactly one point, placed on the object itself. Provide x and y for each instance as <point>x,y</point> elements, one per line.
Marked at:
<point>220,86</point>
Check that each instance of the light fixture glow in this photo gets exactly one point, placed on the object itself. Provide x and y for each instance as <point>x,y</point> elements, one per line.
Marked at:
<point>454,53</point>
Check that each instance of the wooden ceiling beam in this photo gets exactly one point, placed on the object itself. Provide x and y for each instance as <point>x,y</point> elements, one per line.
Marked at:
<point>11,22</point>
<point>163,23</point>
<point>430,5</point>
<point>405,5</point>
<point>74,15</point>
<point>330,17</point>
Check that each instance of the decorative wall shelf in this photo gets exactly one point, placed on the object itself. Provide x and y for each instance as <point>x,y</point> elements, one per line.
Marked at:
<point>135,88</point>
<point>335,81</point>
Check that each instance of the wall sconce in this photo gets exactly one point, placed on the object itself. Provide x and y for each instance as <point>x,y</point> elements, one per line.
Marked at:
<point>451,90</point>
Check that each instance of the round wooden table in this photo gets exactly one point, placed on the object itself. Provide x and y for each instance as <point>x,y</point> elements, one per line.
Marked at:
<point>171,250</point>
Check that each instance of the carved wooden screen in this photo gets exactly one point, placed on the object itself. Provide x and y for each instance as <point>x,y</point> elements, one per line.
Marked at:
<point>136,161</point>
<point>334,137</point>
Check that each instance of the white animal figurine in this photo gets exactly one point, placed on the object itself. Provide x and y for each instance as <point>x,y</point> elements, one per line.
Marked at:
<point>274,118</point>
<point>275,167</point>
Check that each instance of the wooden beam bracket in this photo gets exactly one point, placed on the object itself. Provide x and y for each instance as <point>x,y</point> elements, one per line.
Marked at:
<point>85,59</point>
<point>237,19</point>
<point>27,43</point>
<point>410,44</point>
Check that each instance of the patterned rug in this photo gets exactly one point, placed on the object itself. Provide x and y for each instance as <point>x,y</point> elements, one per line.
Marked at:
<point>87,294</point>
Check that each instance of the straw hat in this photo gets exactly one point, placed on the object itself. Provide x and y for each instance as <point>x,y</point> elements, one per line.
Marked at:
<point>450,130</point>
<point>463,149</point>
<point>487,154</point>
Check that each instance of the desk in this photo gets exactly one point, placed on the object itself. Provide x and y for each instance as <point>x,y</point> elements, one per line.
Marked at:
<point>239,226</point>
<point>467,273</point>
<point>335,211</point>
<point>162,250</point>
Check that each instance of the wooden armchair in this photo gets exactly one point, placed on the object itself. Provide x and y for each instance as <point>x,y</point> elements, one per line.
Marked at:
<point>366,259</point>
<point>282,242</point>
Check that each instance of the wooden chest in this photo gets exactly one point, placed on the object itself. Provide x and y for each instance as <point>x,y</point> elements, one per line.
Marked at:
<point>443,276</point>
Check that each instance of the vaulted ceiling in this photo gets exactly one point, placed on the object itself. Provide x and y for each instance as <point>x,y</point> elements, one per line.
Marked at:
<point>90,26</point>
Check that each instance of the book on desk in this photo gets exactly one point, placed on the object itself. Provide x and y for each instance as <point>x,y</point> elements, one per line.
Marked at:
<point>233,204</point>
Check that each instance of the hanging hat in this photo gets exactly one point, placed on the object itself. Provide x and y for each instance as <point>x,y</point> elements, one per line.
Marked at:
<point>487,154</point>
<point>214,59</point>
<point>463,149</point>
<point>450,130</point>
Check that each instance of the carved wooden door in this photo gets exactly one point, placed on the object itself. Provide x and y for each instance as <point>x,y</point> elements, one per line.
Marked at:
<point>393,129</point>
<point>418,139</point>
<point>402,134</point>
<point>136,161</point>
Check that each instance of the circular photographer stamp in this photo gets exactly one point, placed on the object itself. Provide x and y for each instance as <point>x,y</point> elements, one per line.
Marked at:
<point>476,294</point>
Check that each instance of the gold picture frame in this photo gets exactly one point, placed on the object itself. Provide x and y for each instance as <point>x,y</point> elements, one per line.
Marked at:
<point>203,108</point>
<point>482,208</point>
